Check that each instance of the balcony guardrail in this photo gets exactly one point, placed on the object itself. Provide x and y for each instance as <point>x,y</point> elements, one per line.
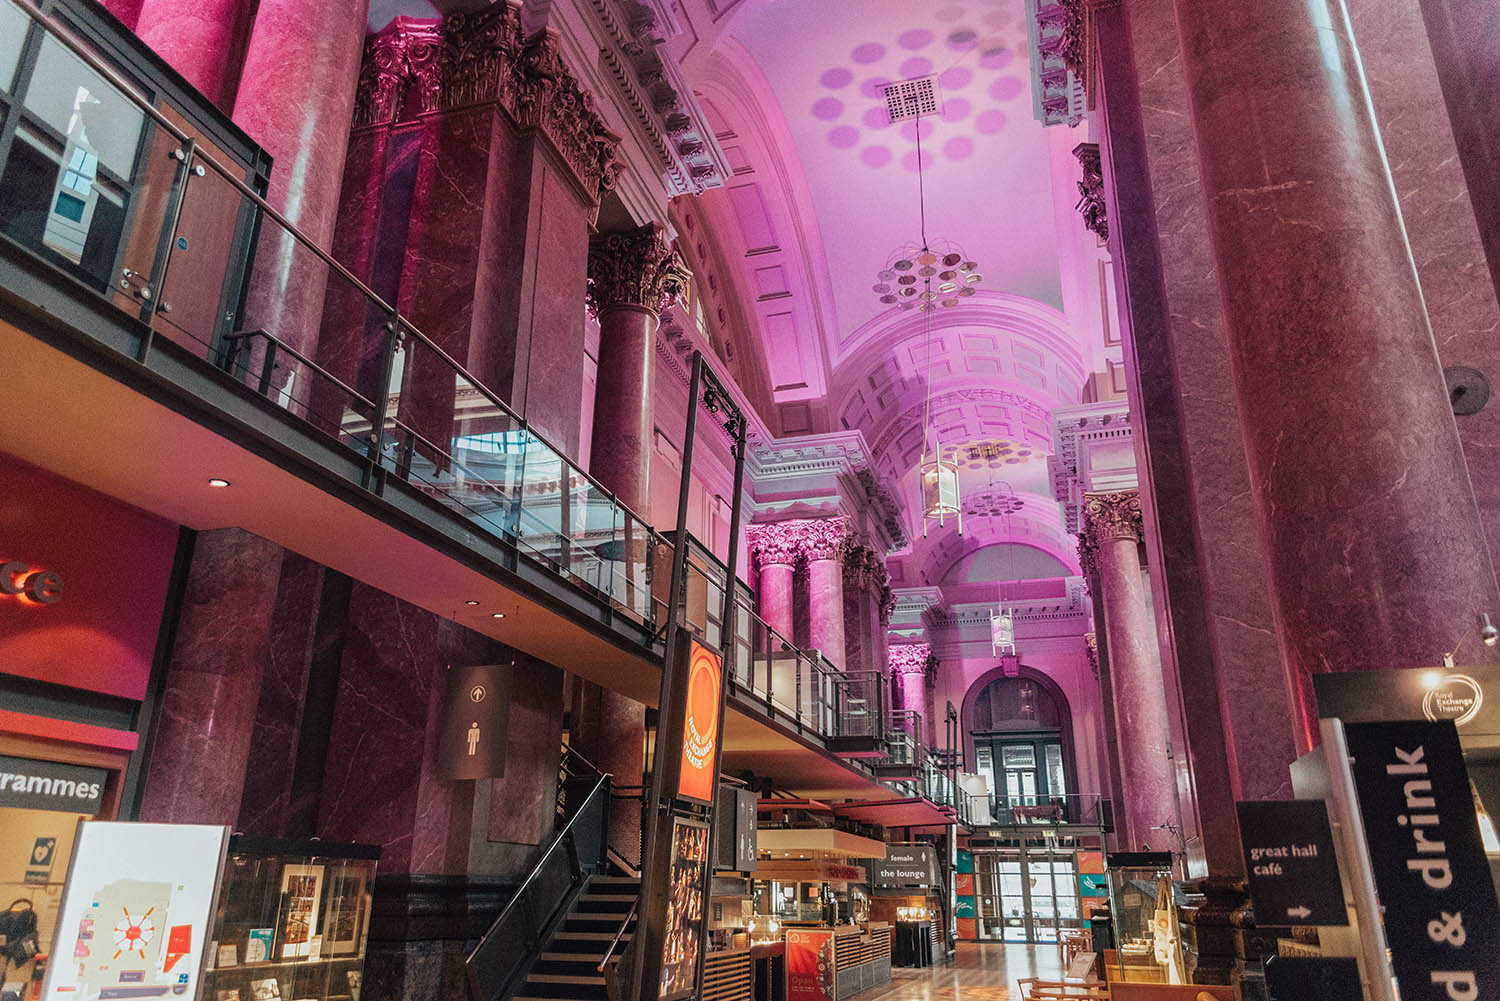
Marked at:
<point>1085,809</point>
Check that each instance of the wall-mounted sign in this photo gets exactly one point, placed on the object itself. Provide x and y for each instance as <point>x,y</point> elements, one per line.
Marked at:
<point>1289,856</point>
<point>474,727</point>
<point>700,729</point>
<point>1442,921</point>
<point>47,785</point>
<point>905,865</point>
<point>135,911</point>
<point>29,583</point>
<point>1430,693</point>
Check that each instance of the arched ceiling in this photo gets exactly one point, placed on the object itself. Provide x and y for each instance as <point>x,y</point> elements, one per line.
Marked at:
<point>986,163</point>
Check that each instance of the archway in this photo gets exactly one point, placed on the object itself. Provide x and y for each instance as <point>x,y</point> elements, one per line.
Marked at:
<point>1018,733</point>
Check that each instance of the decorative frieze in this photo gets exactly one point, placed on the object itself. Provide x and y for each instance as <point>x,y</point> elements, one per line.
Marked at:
<point>485,57</point>
<point>1114,515</point>
<point>636,268</point>
<point>1091,191</point>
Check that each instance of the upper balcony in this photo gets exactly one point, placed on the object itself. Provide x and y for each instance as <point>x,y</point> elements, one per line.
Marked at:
<point>161,324</point>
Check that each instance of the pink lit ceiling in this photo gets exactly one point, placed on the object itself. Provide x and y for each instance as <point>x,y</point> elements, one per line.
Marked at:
<point>989,186</point>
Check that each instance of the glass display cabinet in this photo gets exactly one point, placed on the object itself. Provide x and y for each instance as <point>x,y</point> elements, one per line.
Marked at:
<point>1147,950</point>
<point>291,921</point>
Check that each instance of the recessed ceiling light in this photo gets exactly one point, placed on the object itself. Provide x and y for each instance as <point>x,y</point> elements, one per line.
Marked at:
<point>471,601</point>
<point>217,481</point>
<point>497,615</point>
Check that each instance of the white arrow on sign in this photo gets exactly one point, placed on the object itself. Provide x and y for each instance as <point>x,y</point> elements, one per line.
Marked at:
<point>1298,912</point>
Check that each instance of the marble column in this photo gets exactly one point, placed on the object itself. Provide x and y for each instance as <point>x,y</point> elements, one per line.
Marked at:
<point>200,746</point>
<point>1113,527</point>
<point>823,543</point>
<point>296,98</point>
<point>908,664</point>
<point>776,552</point>
<point>197,37</point>
<point>1376,554</point>
<point>633,276</point>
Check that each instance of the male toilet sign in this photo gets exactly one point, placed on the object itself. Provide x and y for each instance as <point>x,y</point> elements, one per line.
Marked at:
<point>474,721</point>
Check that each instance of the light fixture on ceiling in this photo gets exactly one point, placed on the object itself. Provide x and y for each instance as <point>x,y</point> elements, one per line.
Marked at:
<point>471,602</point>
<point>218,481</point>
<point>497,615</point>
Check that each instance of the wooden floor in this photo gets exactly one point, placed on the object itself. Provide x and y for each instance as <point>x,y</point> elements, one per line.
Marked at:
<point>985,972</point>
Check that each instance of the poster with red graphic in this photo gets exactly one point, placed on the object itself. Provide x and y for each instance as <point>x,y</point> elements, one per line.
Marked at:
<point>696,778</point>
<point>963,884</point>
<point>809,964</point>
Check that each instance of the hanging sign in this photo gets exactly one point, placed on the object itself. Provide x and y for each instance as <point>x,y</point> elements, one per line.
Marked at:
<point>472,731</point>
<point>1442,921</point>
<point>905,865</point>
<point>1289,856</point>
<point>696,778</point>
<point>1431,693</point>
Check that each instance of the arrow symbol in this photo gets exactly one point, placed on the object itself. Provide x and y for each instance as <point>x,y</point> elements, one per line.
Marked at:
<point>1298,912</point>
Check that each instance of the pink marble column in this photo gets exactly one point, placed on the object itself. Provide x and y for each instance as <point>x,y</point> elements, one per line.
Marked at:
<point>632,277</point>
<point>201,744</point>
<point>776,552</point>
<point>1376,552</point>
<point>127,11</point>
<point>1151,810</point>
<point>197,37</point>
<point>823,543</point>
<point>908,664</point>
<point>296,98</point>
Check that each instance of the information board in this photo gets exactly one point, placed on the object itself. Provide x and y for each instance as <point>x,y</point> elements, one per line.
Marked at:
<point>905,865</point>
<point>1291,863</point>
<point>809,965</point>
<point>135,913</point>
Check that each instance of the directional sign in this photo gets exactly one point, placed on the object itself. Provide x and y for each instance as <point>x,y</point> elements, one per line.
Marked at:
<point>1289,856</point>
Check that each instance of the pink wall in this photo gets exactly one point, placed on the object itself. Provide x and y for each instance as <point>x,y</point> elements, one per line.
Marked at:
<point>115,562</point>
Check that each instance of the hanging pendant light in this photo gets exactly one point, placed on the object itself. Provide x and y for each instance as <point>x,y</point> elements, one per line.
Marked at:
<point>940,498</point>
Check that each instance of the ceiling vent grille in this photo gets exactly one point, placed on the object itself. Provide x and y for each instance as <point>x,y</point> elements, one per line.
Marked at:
<point>912,98</point>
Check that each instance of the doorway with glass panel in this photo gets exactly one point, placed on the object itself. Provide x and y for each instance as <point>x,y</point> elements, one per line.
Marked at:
<point>1026,772</point>
<point>1026,894</point>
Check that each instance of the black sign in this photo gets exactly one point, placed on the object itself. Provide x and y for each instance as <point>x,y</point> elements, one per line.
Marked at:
<point>47,785</point>
<point>476,713</point>
<point>1431,693</point>
<point>1442,922</point>
<point>1289,856</point>
<point>905,865</point>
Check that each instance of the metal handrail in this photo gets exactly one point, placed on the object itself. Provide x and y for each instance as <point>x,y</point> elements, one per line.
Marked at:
<point>516,900</point>
<point>619,933</point>
<point>283,347</point>
<point>87,55</point>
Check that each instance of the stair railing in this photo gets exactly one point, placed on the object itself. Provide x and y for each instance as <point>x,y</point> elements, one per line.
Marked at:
<point>611,972</point>
<point>499,963</point>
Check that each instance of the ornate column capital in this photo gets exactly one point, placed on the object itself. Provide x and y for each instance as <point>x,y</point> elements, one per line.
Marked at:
<point>404,56</point>
<point>634,268</point>
<point>1088,557</point>
<point>775,544</point>
<point>864,568</point>
<point>1091,649</point>
<point>1091,203</point>
<point>1115,515</point>
<point>910,658</point>
<point>826,538</point>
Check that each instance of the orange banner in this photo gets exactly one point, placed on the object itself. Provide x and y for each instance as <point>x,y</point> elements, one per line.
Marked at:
<point>700,730</point>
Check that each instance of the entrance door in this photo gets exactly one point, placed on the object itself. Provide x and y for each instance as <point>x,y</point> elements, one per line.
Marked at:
<point>1026,894</point>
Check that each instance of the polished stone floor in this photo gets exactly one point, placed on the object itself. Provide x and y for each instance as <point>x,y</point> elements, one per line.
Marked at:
<point>977,972</point>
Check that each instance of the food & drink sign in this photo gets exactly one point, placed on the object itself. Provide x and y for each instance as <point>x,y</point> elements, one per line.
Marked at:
<point>1442,920</point>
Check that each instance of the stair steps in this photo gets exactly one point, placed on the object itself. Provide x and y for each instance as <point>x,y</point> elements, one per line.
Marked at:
<point>569,968</point>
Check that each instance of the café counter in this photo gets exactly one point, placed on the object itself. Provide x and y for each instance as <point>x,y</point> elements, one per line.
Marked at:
<point>749,973</point>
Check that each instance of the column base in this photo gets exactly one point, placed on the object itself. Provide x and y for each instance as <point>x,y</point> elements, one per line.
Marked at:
<point>1218,935</point>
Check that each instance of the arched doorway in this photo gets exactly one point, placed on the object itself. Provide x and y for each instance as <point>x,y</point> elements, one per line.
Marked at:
<point>1020,736</point>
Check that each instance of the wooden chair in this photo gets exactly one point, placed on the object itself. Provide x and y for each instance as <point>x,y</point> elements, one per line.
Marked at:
<point>1038,989</point>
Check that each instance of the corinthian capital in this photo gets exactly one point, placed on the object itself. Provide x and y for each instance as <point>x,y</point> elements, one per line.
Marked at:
<point>910,658</point>
<point>1115,515</point>
<point>775,544</point>
<point>826,538</point>
<point>636,268</point>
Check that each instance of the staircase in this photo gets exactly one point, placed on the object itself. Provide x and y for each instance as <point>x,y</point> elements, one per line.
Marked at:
<point>569,968</point>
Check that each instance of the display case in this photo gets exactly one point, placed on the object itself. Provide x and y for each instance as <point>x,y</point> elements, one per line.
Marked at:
<point>1148,947</point>
<point>291,921</point>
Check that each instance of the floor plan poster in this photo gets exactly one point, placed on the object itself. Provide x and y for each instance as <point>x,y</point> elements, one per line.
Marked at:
<point>135,912</point>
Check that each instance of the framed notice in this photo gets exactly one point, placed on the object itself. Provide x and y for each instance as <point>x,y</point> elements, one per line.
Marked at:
<point>301,890</point>
<point>344,921</point>
<point>135,911</point>
<point>809,964</point>
<point>686,891</point>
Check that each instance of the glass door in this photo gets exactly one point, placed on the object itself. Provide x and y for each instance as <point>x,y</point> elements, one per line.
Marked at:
<point>1026,895</point>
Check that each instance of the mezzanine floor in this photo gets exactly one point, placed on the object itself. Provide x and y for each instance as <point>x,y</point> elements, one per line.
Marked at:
<point>977,972</point>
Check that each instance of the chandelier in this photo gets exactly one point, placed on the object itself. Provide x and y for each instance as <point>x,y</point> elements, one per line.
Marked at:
<point>910,271</point>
